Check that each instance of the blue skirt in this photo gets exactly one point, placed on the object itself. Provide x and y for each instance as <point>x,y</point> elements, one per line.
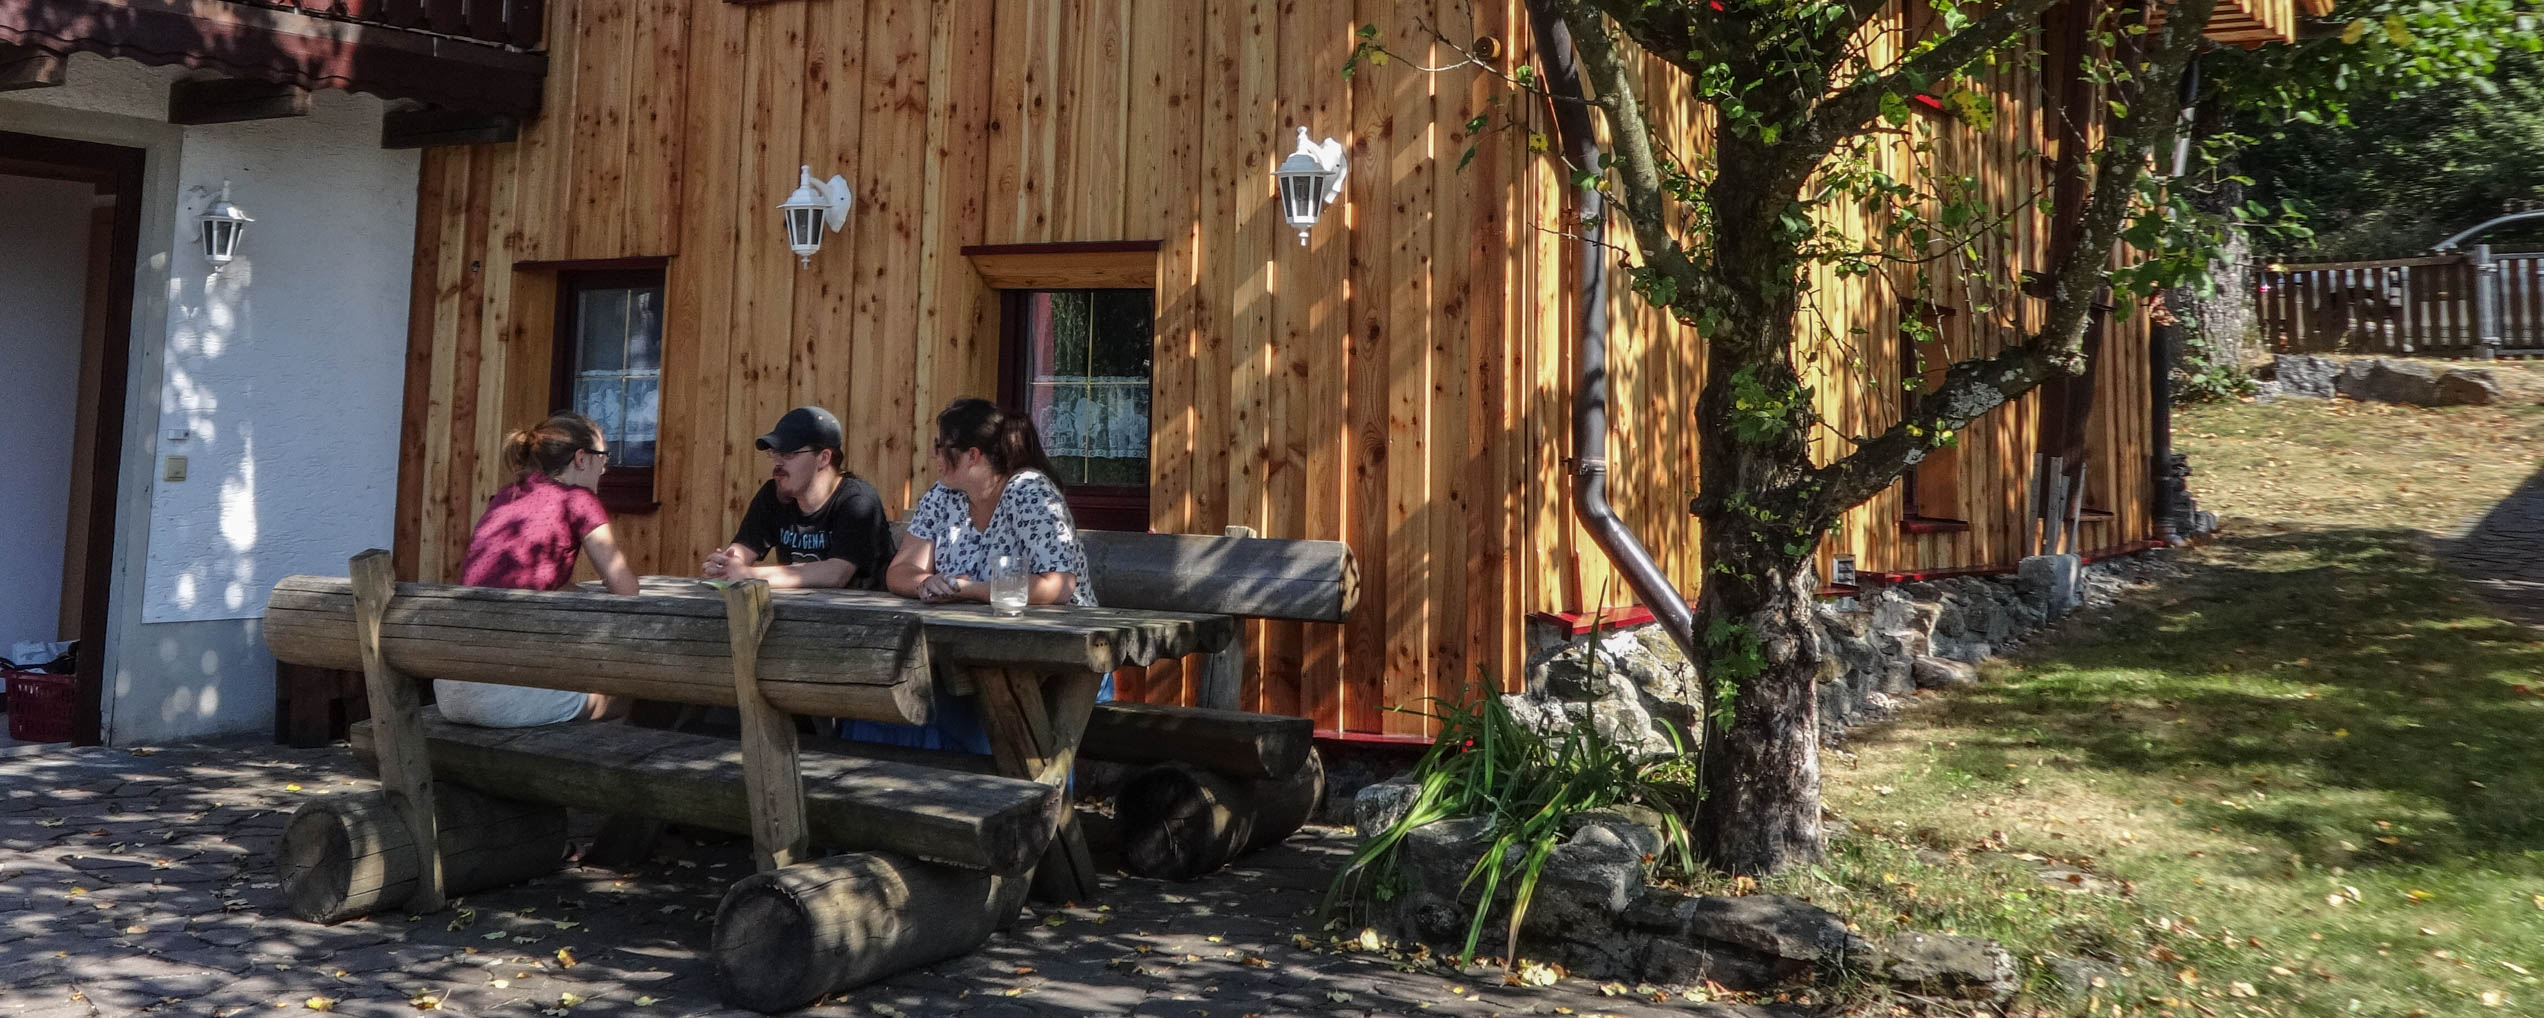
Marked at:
<point>957,726</point>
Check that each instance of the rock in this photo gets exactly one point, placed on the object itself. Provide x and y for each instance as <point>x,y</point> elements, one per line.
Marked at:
<point>1672,962</point>
<point>2468,387</point>
<point>1594,875</point>
<point>1625,724</point>
<point>2388,380</point>
<point>2055,582</point>
<point>1582,673</point>
<point>1964,967</point>
<point>1379,806</point>
<point>1910,642</point>
<point>1747,942</point>
<point>1837,705</point>
<point>1933,672</point>
<point>2081,975</point>
<point>2304,376</point>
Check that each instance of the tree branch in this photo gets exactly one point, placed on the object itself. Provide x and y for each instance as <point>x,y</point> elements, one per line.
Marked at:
<point>1645,197</point>
<point>1845,112</point>
<point>1974,387</point>
<point>1673,33</point>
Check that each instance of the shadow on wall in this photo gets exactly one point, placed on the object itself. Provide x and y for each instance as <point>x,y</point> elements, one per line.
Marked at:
<point>204,565</point>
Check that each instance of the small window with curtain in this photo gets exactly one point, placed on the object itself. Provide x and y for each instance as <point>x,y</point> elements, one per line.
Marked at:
<point>1079,362</point>
<point>608,367</point>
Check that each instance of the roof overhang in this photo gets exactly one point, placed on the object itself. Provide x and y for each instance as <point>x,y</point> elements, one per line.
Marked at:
<point>288,47</point>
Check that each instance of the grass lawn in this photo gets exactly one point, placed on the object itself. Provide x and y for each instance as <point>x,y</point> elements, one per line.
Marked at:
<point>2306,777</point>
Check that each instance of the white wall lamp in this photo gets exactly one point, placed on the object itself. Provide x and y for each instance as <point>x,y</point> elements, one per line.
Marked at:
<point>1310,180</point>
<point>223,224</point>
<point>814,205</point>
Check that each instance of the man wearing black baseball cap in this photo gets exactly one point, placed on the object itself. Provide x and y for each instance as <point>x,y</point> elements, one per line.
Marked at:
<point>812,524</point>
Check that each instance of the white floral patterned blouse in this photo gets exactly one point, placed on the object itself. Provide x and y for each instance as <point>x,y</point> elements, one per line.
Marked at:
<point>1031,525</point>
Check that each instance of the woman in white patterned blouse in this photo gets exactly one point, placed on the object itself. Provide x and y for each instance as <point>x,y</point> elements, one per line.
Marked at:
<point>994,499</point>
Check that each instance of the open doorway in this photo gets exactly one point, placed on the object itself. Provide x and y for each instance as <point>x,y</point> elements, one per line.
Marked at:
<point>66,277</point>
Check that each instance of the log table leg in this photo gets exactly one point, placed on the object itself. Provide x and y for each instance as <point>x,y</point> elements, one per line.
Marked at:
<point>1035,737</point>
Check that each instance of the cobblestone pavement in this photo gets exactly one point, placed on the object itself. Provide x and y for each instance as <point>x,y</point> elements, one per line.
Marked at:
<point>2502,554</point>
<point>136,882</point>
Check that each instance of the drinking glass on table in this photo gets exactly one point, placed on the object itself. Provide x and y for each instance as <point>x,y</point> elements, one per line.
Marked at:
<point>1007,587</point>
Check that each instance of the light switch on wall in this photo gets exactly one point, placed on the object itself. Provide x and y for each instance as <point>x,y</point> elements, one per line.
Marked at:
<point>175,470</point>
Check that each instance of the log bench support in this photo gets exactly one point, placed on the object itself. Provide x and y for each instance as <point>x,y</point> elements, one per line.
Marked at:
<point>394,705</point>
<point>770,780</point>
<point>786,937</point>
<point>1181,822</point>
<point>353,853</point>
<point>1225,782</point>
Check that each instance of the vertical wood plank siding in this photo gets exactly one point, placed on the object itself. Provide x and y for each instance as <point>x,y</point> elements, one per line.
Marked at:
<point>1402,382</point>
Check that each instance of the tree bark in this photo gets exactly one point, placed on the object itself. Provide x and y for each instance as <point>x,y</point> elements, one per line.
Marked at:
<point>1761,763</point>
<point>1760,650</point>
<point>2225,322</point>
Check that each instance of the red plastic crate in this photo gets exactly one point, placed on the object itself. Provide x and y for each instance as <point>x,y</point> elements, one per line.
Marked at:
<point>40,706</point>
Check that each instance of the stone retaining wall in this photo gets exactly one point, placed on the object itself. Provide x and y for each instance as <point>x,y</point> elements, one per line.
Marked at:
<point>1635,688</point>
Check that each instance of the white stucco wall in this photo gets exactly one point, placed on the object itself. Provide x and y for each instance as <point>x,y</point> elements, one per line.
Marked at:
<point>43,289</point>
<point>282,370</point>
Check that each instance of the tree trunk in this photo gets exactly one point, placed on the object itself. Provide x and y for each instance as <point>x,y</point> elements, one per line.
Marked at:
<point>1761,811</point>
<point>2225,326</point>
<point>1760,649</point>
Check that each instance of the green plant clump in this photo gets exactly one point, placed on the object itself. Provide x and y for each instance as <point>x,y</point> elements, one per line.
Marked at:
<point>1530,785</point>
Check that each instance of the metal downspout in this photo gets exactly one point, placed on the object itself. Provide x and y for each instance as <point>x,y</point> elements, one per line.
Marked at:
<point>1590,393</point>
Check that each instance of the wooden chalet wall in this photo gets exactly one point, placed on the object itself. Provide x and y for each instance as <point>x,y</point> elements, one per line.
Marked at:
<point>1859,379</point>
<point>1401,382</point>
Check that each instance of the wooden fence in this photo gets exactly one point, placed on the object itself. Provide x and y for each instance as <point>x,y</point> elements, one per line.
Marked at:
<point>2471,303</point>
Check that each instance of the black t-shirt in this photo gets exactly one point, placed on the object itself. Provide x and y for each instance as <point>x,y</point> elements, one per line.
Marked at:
<point>850,526</point>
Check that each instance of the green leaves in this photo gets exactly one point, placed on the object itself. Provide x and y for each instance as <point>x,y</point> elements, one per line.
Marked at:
<point>1532,786</point>
<point>1657,287</point>
<point>1894,110</point>
<point>1763,412</point>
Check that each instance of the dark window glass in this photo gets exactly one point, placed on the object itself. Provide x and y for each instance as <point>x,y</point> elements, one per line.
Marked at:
<point>609,368</point>
<point>1078,361</point>
<point>1086,380</point>
<point>618,367</point>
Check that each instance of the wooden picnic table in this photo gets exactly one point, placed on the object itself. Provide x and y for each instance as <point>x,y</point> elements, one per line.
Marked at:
<point>1035,677</point>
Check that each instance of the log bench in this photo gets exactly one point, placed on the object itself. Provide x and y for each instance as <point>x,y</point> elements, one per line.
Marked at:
<point>1220,782</point>
<point>938,857</point>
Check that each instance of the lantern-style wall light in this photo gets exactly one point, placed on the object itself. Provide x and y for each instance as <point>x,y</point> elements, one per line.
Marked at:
<point>223,224</point>
<point>1309,180</point>
<point>816,204</point>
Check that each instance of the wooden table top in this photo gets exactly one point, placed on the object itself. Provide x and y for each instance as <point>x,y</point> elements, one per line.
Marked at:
<point>1045,636</point>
